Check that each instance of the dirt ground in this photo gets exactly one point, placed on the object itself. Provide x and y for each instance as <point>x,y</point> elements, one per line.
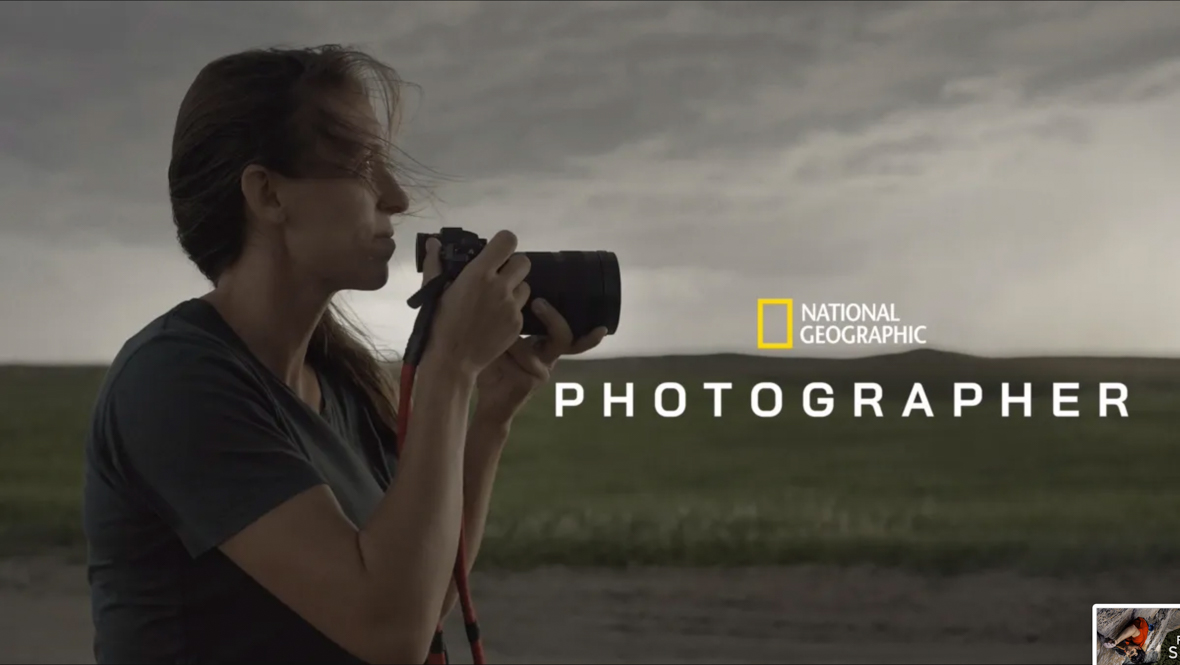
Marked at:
<point>797,614</point>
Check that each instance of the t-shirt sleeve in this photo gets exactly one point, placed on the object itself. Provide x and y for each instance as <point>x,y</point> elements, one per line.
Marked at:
<point>196,431</point>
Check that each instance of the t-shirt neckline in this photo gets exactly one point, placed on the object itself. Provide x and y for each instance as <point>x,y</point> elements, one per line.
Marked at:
<point>226,332</point>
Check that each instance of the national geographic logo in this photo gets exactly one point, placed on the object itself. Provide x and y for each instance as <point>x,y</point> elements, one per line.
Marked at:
<point>828,324</point>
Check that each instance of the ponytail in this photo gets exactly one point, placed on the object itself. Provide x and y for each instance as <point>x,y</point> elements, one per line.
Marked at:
<point>340,348</point>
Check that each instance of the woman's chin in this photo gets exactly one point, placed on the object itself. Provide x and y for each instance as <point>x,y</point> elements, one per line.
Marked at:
<point>375,277</point>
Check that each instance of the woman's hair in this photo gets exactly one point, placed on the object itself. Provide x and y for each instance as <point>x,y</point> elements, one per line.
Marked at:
<point>269,107</point>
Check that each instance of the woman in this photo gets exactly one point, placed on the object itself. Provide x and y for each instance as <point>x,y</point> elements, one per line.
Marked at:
<point>239,503</point>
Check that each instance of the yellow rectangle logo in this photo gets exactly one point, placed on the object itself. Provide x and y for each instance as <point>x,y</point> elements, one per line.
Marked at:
<point>762,303</point>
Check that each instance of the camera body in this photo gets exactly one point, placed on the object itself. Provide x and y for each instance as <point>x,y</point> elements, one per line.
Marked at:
<point>459,247</point>
<point>584,286</point>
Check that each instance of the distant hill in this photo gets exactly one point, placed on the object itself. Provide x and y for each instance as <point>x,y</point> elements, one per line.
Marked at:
<point>921,365</point>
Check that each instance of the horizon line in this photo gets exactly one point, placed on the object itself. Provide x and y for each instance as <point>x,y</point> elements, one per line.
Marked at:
<point>774,356</point>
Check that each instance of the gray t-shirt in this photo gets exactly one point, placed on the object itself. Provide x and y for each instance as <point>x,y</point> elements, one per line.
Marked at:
<point>192,439</point>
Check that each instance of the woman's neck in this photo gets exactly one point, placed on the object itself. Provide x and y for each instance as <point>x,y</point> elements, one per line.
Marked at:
<point>273,314</point>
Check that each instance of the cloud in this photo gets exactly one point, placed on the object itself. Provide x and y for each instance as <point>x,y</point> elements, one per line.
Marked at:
<point>994,168</point>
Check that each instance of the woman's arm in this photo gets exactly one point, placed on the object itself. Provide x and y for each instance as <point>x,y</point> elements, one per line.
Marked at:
<point>486,437</point>
<point>377,590</point>
<point>504,388</point>
<point>194,429</point>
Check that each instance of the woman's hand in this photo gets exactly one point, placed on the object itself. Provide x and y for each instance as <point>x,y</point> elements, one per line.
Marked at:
<point>479,314</point>
<point>506,385</point>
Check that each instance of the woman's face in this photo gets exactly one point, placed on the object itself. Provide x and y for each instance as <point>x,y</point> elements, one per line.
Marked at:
<point>338,230</point>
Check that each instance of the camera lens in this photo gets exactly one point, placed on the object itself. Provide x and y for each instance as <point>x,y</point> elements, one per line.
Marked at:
<point>585,286</point>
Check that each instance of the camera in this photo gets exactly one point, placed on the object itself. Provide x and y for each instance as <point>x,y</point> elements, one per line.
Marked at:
<point>584,286</point>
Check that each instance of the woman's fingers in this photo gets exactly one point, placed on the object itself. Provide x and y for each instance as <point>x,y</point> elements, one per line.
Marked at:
<point>431,263</point>
<point>588,341</point>
<point>524,354</point>
<point>558,338</point>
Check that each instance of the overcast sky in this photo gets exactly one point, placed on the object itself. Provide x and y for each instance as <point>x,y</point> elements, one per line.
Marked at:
<point>1007,174</point>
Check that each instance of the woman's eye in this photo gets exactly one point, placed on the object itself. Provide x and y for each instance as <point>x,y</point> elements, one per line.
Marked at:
<point>372,167</point>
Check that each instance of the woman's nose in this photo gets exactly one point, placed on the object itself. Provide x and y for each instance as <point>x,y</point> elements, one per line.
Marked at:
<point>394,200</point>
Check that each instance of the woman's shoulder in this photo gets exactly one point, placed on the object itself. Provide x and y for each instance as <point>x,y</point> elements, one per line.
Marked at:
<point>188,344</point>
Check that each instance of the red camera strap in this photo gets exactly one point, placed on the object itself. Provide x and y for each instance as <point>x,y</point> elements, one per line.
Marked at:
<point>438,653</point>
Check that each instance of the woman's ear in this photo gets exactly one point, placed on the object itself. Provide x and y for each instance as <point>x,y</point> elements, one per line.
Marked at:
<point>260,189</point>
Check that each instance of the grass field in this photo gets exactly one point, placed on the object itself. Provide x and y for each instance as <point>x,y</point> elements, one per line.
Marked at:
<point>1056,494</point>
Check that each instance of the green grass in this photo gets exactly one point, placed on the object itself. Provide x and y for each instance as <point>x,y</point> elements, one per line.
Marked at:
<point>941,494</point>
<point>44,414</point>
